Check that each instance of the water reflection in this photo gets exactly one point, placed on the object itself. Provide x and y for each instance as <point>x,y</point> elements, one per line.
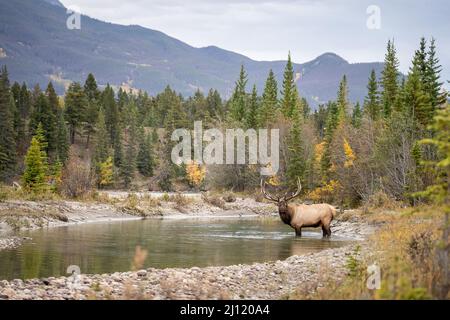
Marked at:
<point>109,247</point>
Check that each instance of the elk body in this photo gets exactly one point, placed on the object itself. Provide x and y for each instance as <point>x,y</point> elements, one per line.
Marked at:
<point>300,216</point>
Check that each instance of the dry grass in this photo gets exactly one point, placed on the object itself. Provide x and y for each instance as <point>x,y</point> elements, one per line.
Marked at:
<point>408,248</point>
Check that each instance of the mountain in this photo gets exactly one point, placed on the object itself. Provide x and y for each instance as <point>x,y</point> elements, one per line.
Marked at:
<point>36,46</point>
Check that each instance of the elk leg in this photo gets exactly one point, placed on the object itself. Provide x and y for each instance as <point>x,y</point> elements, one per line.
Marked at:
<point>324,231</point>
<point>298,232</point>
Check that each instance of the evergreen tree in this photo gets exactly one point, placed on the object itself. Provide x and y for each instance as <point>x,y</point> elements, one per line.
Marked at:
<point>389,79</point>
<point>416,100</point>
<point>214,104</point>
<point>101,152</point>
<point>111,115</point>
<point>289,92</point>
<point>432,76</point>
<point>34,177</point>
<point>343,104</point>
<point>75,102</point>
<point>269,101</point>
<point>91,89</point>
<point>7,136</point>
<point>92,96</point>
<point>145,162</point>
<point>128,166</point>
<point>306,108</point>
<point>372,101</point>
<point>253,108</point>
<point>118,151</point>
<point>43,114</point>
<point>62,138</point>
<point>296,164</point>
<point>357,116</point>
<point>238,101</point>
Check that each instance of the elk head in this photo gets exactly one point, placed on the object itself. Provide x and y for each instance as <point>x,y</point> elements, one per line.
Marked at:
<point>282,201</point>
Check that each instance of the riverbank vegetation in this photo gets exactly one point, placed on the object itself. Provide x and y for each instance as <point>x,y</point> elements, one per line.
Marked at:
<point>346,153</point>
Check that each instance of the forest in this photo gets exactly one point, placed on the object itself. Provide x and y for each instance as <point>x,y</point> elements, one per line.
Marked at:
<point>393,146</point>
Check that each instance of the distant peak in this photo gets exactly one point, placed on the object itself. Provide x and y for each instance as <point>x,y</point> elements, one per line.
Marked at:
<point>55,3</point>
<point>331,56</point>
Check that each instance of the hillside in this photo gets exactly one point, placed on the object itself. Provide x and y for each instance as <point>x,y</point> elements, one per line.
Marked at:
<point>37,47</point>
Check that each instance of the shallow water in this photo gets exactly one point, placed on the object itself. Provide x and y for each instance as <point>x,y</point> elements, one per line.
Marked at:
<point>110,246</point>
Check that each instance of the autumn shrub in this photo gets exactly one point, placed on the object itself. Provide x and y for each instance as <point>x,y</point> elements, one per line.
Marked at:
<point>76,178</point>
<point>380,200</point>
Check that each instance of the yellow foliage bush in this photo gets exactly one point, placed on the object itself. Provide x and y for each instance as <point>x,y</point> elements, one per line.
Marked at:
<point>195,174</point>
<point>325,193</point>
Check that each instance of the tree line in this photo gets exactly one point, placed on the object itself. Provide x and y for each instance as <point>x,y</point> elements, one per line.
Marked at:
<point>342,152</point>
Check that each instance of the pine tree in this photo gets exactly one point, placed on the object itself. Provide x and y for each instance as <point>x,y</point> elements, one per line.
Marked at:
<point>7,136</point>
<point>343,104</point>
<point>92,95</point>
<point>145,162</point>
<point>357,116</point>
<point>62,138</point>
<point>372,101</point>
<point>128,166</point>
<point>43,114</point>
<point>91,89</point>
<point>111,115</point>
<point>389,79</point>
<point>432,76</point>
<point>34,177</point>
<point>75,112</point>
<point>269,101</point>
<point>289,92</point>
<point>416,100</point>
<point>101,152</point>
<point>296,164</point>
<point>238,101</point>
<point>253,110</point>
<point>214,104</point>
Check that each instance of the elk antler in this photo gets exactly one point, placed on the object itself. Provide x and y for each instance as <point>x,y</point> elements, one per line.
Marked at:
<point>296,193</point>
<point>266,195</point>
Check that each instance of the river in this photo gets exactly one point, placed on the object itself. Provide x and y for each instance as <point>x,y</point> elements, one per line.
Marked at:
<point>110,246</point>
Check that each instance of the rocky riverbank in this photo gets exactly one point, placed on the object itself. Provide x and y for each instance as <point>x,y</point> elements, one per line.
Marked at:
<point>16,215</point>
<point>271,280</point>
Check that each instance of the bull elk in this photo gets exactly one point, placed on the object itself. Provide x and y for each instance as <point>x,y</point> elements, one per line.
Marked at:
<point>300,216</point>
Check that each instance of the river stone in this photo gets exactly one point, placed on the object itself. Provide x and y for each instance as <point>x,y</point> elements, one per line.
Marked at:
<point>142,273</point>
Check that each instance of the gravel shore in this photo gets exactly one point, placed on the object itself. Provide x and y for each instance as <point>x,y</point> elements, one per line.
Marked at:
<point>271,280</point>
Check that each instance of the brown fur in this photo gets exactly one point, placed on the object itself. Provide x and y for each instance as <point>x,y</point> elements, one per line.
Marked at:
<point>300,216</point>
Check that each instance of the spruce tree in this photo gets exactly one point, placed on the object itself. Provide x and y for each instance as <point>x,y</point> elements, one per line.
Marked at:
<point>416,100</point>
<point>289,92</point>
<point>253,109</point>
<point>433,70</point>
<point>7,136</point>
<point>343,104</point>
<point>144,161</point>
<point>214,104</point>
<point>389,79</point>
<point>75,112</point>
<point>357,115</point>
<point>101,151</point>
<point>62,138</point>
<point>269,101</point>
<point>372,101</point>
<point>43,114</point>
<point>238,101</point>
<point>92,96</point>
<point>296,164</point>
<point>111,114</point>
<point>34,177</point>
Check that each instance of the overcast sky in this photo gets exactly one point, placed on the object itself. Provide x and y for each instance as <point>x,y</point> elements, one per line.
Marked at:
<point>268,29</point>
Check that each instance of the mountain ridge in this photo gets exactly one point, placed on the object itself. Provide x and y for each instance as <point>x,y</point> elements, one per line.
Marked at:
<point>38,47</point>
